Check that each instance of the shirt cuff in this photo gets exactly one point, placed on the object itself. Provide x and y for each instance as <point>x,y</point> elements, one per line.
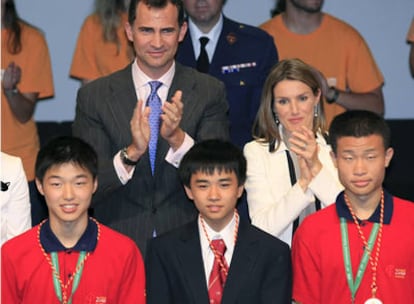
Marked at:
<point>174,158</point>
<point>123,175</point>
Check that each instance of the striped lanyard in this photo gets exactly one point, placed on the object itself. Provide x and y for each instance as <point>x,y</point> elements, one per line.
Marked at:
<point>354,285</point>
<point>56,278</point>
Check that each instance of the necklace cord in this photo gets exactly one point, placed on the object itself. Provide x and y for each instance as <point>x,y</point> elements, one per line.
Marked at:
<point>60,287</point>
<point>373,260</point>
<point>223,268</point>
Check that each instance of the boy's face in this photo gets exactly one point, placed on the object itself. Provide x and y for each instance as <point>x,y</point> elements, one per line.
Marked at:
<point>68,190</point>
<point>215,196</point>
<point>361,164</point>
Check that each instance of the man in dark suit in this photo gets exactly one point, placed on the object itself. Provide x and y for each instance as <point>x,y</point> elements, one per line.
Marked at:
<point>238,54</point>
<point>217,258</point>
<point>138,195</point>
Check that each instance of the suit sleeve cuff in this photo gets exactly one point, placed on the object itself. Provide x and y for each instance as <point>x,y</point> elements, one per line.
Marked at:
<point>174,158</point>
<point>123,175</point>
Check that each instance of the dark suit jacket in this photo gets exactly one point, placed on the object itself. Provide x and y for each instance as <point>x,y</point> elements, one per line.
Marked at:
<point>238,44</point>
<point>260,269</point>
<point>103,113</point>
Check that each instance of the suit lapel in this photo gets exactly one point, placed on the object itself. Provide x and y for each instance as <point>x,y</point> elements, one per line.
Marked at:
<point>184,80</point>
<point>121,87</point>
<point>191,263</point>
<point>225,47</point>
<point>244,257</point>
<point>185,53</point>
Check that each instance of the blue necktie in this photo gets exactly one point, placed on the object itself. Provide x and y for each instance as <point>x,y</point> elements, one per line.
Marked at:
<point>154,102</point>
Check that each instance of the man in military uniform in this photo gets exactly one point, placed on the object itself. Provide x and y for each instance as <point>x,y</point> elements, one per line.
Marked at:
<point>238,54</point>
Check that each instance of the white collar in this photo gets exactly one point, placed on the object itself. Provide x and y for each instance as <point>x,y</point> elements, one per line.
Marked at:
<point>213,36</point>
<point>227,234</point>
<point>141,79</point>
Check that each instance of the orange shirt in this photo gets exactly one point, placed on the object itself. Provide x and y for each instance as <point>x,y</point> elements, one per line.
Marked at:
<point>410,35</point>
<point>34,60</point>
<point>336,49</point>
<point>94,57</point>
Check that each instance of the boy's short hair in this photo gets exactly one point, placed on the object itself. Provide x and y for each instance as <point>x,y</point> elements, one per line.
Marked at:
<point>66,149</point>
<point>210,155</point>
<point>358,123</point>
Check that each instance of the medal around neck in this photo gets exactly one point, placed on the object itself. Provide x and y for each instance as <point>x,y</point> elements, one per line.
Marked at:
<point>373,301</point>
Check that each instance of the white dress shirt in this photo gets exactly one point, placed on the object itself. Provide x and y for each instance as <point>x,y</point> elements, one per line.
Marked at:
<point>143,90</point>
<point>213,37</point>
<point>227,234</point>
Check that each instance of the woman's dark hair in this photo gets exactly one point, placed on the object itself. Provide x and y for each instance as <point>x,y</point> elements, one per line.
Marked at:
<point>279,8</point>
<point>11,22</point>
<point>265,127</point>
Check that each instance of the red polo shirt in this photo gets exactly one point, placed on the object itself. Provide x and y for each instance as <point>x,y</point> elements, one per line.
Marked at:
<point>112,273</point>
<point>318,263</point>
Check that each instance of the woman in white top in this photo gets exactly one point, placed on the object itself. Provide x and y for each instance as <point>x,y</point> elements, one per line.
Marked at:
<point>289,169</point>
<point>14,198</point>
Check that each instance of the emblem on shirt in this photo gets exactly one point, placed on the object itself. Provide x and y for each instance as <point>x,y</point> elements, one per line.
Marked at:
<point>100,299</point>
<point>234,68</point>
<point>5,186</point>
<point>396,272</point>
<point>400,273</point>
<point>231,38</point>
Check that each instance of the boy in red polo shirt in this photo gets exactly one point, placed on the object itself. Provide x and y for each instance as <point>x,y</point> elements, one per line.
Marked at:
<point>70,258</point>
<point>361,249</point>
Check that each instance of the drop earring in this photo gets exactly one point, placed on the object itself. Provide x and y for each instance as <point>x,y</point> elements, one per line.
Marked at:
<point>276,118</point>
<point>316,111</point>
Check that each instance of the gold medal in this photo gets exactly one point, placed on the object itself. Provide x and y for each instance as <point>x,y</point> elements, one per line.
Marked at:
<point>373,301</point>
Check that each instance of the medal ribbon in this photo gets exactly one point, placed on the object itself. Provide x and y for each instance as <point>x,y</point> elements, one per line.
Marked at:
<point>354,285</point>
<point>216,255</point>
<point>76,280</point>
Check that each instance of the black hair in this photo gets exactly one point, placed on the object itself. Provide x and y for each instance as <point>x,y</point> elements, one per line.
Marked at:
<point>66,149</point>
<point>358,123</point>
<point>210,155</point>
<point>157,4</point>
<point>279,8</point>
<point>11,22</point>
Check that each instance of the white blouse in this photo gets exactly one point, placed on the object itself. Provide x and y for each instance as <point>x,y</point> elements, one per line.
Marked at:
<point>273,202</point>
<point>14,198</point>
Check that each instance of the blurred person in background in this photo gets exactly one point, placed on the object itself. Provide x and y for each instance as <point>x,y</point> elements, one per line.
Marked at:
<point>102,46</point>
<point>352,77</point>
<point>410,39</point>
<point>26,78</point>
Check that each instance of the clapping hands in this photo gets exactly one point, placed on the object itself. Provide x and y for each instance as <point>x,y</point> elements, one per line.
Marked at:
<point>304,145</point>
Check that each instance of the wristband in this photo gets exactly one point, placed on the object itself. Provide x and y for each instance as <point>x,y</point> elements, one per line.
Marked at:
<point>14,91</point>
<point>335,96</point>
